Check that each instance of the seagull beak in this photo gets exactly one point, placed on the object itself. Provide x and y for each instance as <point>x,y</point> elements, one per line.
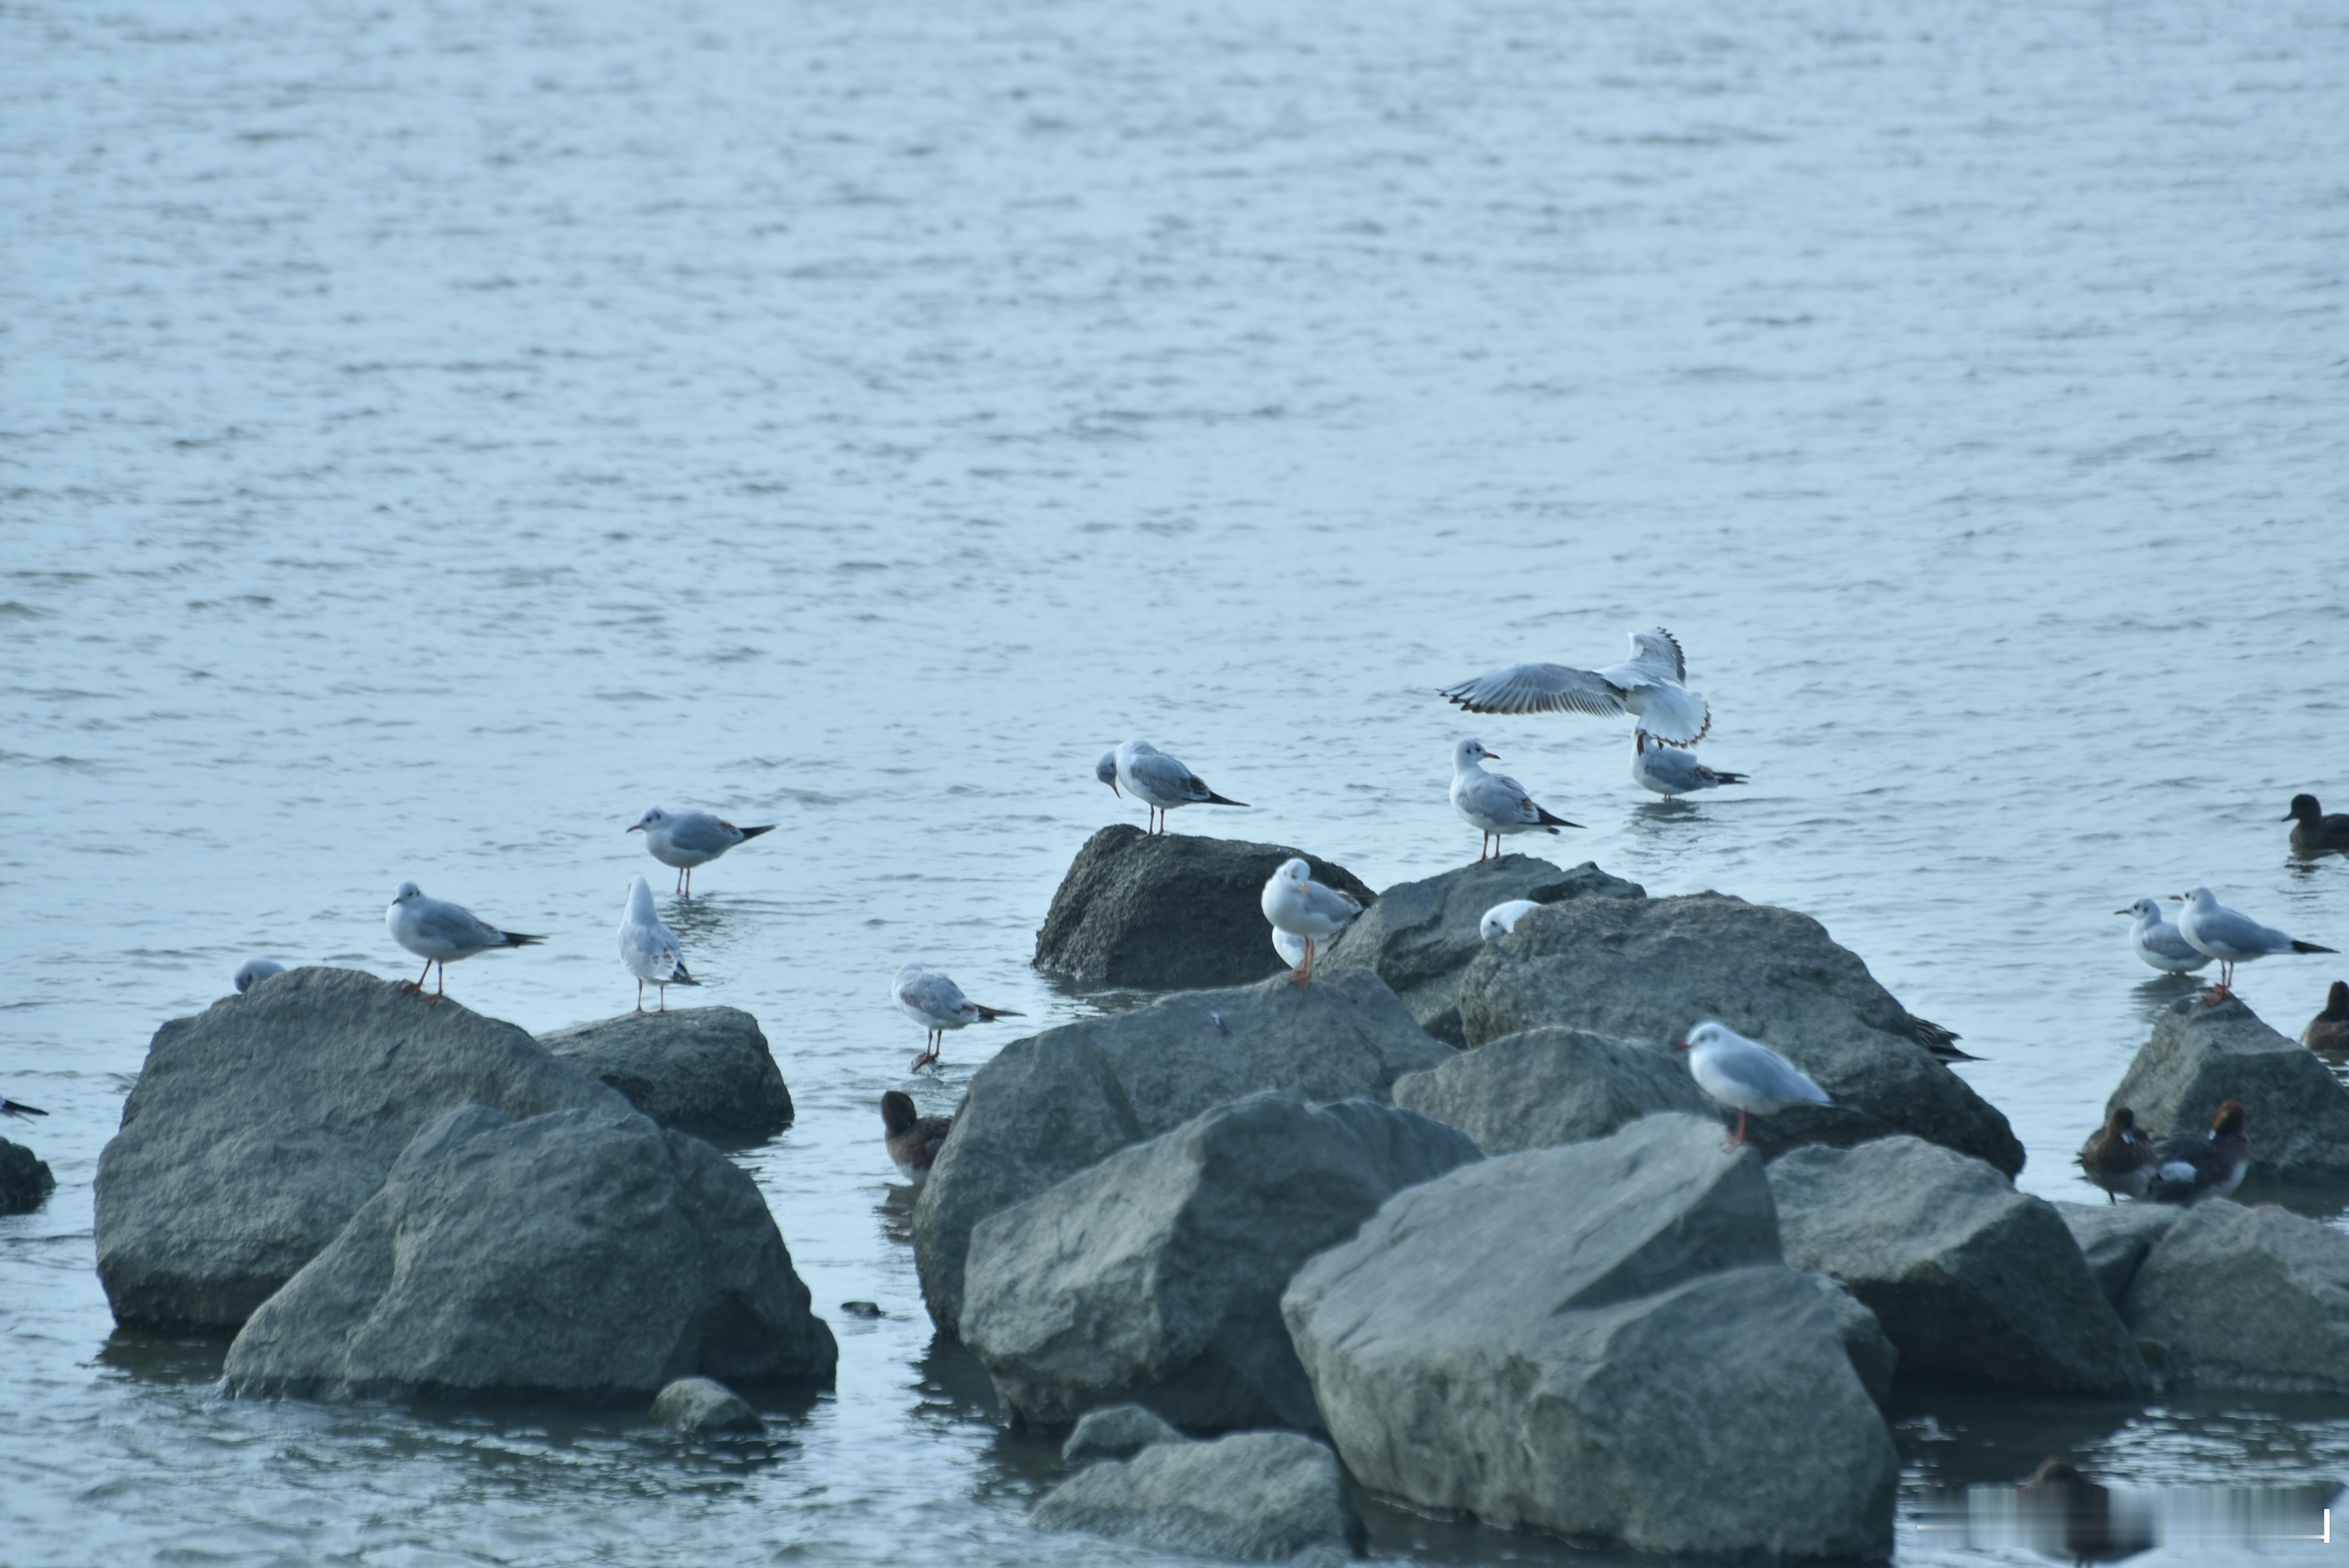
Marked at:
<point>1115,790</point>
<point>634,827</point>
<point>2124,911</point>
<point>1680,1045</point>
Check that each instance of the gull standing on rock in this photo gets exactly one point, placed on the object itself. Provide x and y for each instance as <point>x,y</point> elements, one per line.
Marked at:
<point>255,969</point>
<point>2212,928</point>
<point>1157,780</point>
<point>2154,939</point>
<point>913,1139</point>
<point>1649,686</point>
<point>1671,772</point>
<point>688,839</point>
<point>649,948</point>
<point>1746,1074</point>
<point>441,933</point>
<point>937,1004</point>
<point>1305,909</point>
<point>1493,803</point>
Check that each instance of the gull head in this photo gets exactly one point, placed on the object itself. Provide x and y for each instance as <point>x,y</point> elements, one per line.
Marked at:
<point>2142,908</point>
<point>1106,771</point>
<point>2200,898</point>
<point>2304,808</point>
<point>1471,751</point>
<point>652,819</point>
<point>1296,870</point>
<point>407,891</point>
<point>1705,1034</point>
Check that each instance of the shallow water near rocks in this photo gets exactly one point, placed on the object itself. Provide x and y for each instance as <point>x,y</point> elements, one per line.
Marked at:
<point>434,435</point>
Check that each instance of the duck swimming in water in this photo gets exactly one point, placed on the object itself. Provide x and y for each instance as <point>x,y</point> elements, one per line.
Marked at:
<point>2314,833</point>
<point>2329,1030</point>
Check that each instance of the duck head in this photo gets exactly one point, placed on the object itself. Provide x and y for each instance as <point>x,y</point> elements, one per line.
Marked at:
<point>897,1112</point>
<point>2229,1120</point>
<point>2304,808</point>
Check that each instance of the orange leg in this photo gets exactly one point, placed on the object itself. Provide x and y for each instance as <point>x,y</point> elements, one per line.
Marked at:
<point>1737,1139</point>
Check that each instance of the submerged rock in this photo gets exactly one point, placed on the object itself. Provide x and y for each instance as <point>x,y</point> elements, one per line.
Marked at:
<point>2114,1238</point>
<point>579,1253</point>
<point>2248,1298</point>
<point>2200,1055</point>
<point>1051,1104</point>
<point>1419,935</point>
<point>1548,1085</point>
<point>1155,1276</point>
<point>1169,912</point>
<point>703,1070</point>
<point>1115,1432</point>
<point>1251,1497</point>
<point>1647,969</point>
<point>260,1125</point>
<point>693,1405</point>
<point>25,1179</point>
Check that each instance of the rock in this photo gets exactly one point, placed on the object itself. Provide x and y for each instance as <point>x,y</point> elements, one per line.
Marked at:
<point>694,1405</point>
<point>1547,1086</point>
<point>260,1125</point>
<point>703,1070</point>
<point>587,1252</point>
<point>2114,1238</point>
<point>1155,1276</point>
<point>2247,1298</point>
<point>1117,1433</point>
<point>25,1179</point>
<point>1251,1497</point>
<point>1169,912</point>
<point>1419,935</point>
<point>1873,1354</point>
<point>1647,969</point>
<point>1600,1340</point>
<point>1050,1105</point>
<point>1970,1278</point>
<point>2200,1055</point>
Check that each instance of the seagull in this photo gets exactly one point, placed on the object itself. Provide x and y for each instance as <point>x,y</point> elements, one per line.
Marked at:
<point>1502,918</point>
<point>1669,770</point>
<point>2117,1157</point>
<point>2212,928</point>
<point>2329,1030</point>
<point>937,1004</point>
<point>2191,1165</point>
<point>441,933</point>
<point>17,1107</point>
<point>2312,832</point>
<point>688,839</point>
<point>1493,803</point>
<point>1746,1074</point>
<point>649,948</point>
<point>2154,939</point>
<point>1157,779</point>
<point>1291,948</point>
<point>1306,909</point>
<point>255,969</point>
<point>913,1139</point>
<point>1647,685</point>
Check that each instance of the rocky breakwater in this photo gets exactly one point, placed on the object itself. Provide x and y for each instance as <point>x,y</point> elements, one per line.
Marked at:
<point>260,1126</point>
<point>2200,1055</point>
<point>1168,911</point>
<point>1601,1339</point>
<point>1550,1085</point>
<point>579,1253</point>
<point>1155,1276</point>
<point>1049,1106</point>
<point>1647,969</point>
<point>703,1070</point>
<point>2242,1297</point>
<point>1419,935</point>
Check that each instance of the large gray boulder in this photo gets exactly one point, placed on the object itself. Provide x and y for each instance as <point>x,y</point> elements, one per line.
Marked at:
<point>1168,911</point>
<point>581,1252</point>
<point>1550,1085</point>
<point>1251,1497</point>
<point>1647,969</point>
<point>260,1125</point>
<point>2248,1298</point>
<point>1049,1106</point>
<point>2298,1112</point>
<point>1969,1277</point>
<point>703,1070</point>
<point>25,1179</point>
<point>2114,1238</point>
<point>1600,1340</point>
<point>1155,1277</point>
<point>1419,935</point>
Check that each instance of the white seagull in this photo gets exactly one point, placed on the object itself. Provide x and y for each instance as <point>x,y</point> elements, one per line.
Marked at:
<point>1493,803</point>
<point>1305,909</point>
<point>1647,685</point>
<point>441,933</point>
<point>255,969</point>
<point>937,1004</point>
<point>649,948</point>
<point>1746,1074</point>
<point>1669,770</point>
<point>1157,780</point>
<point>2211,928</point>
<point>1502,918</point>
<point>688,839</point>
<point>2155,940</point>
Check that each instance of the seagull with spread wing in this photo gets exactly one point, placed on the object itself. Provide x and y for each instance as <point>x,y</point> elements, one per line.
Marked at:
<point>1649,685</point>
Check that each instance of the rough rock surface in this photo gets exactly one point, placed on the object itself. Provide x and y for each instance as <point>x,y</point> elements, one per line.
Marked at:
<point>1419,935</point>
<point>1873,1354</point>
<point>1168,913</point>
<point>1647,969</point>
<point>2114,1238</point>
<point>2247,1297</point>
<point>1549,1086</point>
<point>1632,1342</point>
<point>581,1251</point>
<point>703,1070</point>
<point>1117,1433</point>
<point>260,1125</point>
<point>704,1405</point>
<point>1155,1276</point>
<point>1048,1105</point>
<point>1970,1278</point>
<point>1251,1497</point>
<point>25,1179</point>
<point>2200,1055</point>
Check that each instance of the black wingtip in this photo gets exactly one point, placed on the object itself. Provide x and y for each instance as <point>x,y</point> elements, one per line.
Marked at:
<point>682,978</point>
<point>516,939</point>
<point>2309,947</point>
<point>754,832</point>
<point>1215,800</point>
<point>1720,778</point>
<point>988,1015</point>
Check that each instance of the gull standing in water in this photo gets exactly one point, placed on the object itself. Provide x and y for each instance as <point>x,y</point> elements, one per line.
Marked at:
<point>441,933</point>
<point>688,839</point>
<point>1647,685</point>
<point>2155,940</point>
<point>1307,910</point>
<point>2212,929</point>
<point>1157,780</point>
<point>937,1004</point>
<point>1746,1074</point>
<point>1493,803</point>
<point>1669,771</point>
<point>649,948</point>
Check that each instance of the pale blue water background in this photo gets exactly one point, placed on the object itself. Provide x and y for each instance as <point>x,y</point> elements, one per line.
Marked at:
<point>428,435</point>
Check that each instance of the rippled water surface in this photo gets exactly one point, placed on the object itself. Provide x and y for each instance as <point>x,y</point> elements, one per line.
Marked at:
<point>431,434</point>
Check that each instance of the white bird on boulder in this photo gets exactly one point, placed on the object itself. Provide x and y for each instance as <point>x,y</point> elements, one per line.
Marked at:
<point>937,1004</point>
<point>688,839</point>
<point>1157,779</point>
<point>1649,686</point>
<point>1495,804</point>
<point>254,969</point>
<point>2154,939</point>
<point>2212,928</point>
<point>441,933</point>
<point>649,948</point>
<point>1746,1074</point>
<point>1306,909</point>
<point>1502,918</point>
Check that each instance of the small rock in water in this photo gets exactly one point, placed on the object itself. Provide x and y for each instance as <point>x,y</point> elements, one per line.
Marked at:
<point>25,1179</point>
<point>694,1405</point>
<point>2248,1297</point>
<point>862,1309</point>
<point>1254,1497</point>
<point>1118,1432</point>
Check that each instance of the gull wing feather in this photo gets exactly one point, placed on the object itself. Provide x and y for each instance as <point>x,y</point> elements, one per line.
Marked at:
<point>1166,775</point>
<point>1331,903</point>
<point>699,833</point>
<point>934,994</point>
<point>453,925</point>
<point>1656,660</point>
<point>1671,714</point>
<point>1538,688</point>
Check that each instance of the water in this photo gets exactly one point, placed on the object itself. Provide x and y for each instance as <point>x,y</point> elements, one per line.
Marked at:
<point>432,435</point>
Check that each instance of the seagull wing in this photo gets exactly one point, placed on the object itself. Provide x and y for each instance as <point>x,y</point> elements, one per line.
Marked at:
<point>454,926</point>
<point>699,833</point>
<point>1656,660</point>
<point>1538,688</point>
<point>1671,714</point>
<point>934,994</point>
<point>1330,903</point>
<point>1167,775</point>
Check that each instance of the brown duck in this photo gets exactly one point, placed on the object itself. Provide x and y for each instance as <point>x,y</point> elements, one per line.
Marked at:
<point>2329,1030</point>
<point>2117,1157</point>
<point>914,1139</point>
